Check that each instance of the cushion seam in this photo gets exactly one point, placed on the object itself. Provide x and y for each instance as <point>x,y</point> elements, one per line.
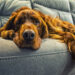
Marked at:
<point>26,56</point>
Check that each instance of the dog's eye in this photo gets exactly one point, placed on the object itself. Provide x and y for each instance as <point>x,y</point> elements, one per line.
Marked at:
<point>35,21</point>
<point>20,21</point>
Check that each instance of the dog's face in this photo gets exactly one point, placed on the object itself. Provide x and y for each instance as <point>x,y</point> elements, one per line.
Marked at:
<point>30,28</point>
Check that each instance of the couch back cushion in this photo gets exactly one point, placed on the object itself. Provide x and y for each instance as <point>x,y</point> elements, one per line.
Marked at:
<point>65,9</point>
<point>8,6</point>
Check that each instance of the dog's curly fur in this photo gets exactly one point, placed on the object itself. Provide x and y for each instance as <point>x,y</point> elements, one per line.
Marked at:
<point>43,25</point>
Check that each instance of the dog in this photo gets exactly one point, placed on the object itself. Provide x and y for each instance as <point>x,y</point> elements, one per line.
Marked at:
<point>27,27</point>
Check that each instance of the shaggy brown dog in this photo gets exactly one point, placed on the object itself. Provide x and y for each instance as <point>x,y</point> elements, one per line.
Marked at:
<point>28,26</point>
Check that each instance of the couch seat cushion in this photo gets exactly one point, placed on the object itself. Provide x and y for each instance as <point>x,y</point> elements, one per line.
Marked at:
<point>44,61</point>
<point>48,46</point>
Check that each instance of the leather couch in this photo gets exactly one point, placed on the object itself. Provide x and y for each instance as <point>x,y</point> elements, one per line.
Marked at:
<point>52,58</point>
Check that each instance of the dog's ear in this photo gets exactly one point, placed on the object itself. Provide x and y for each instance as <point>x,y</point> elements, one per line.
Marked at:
<point>9,24</point>
<point>44,29</point>
<point>53,24</point>
<point>43,26</point>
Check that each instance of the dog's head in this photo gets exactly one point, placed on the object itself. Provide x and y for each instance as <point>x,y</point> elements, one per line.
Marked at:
<point>30,27</point>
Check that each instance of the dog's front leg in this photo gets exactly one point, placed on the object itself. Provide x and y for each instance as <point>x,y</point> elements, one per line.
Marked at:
<point>17,41</point>
<point>7,34</point>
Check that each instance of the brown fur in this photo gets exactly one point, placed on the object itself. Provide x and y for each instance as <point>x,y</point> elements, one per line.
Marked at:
<point>48,27</point>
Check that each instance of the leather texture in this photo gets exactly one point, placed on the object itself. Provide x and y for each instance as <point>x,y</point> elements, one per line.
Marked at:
<point>52,58</point>
<point>65,9</point>
<point>8,6</point>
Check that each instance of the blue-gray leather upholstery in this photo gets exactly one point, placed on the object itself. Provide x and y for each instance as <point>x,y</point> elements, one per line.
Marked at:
<point>52,58</point>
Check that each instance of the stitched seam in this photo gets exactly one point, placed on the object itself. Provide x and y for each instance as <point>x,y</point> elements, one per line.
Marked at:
<point>25,56</point>
<point>3,7</point>
<point>31,3</point>
<point>71,12</point>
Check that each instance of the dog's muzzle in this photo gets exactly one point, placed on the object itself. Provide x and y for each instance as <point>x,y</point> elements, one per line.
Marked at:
<point>28,35</point>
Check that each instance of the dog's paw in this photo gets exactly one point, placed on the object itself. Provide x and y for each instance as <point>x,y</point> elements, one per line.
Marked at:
<point>11,34</point>
<point>8,34</point>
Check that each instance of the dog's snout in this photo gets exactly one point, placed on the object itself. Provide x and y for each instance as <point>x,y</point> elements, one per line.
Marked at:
<point>28,35</point>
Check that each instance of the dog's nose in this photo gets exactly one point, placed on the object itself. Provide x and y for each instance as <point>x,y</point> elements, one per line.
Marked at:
<point>28,35</point>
